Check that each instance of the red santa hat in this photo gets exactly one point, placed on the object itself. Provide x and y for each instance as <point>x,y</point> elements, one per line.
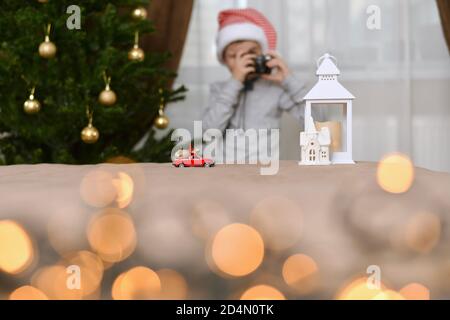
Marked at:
<point>244,24</point>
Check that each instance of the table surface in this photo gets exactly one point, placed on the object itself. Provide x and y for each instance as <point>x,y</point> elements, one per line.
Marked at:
<point>336,214</point>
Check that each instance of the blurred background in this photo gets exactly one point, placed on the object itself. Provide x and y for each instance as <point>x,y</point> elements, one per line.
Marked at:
<point>399,74</point>
<point>149,231</point>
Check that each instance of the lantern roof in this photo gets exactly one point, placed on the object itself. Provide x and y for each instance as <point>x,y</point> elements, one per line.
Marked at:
<point>327,66</point>
<point>328,87</point>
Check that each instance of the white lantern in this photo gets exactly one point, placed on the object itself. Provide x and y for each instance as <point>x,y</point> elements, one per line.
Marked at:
<point>328,91</point>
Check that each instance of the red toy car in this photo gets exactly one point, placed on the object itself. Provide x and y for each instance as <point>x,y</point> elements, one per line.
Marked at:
<point>192,160</point>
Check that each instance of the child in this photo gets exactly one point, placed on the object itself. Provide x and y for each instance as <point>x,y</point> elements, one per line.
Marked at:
<point>247,100</point>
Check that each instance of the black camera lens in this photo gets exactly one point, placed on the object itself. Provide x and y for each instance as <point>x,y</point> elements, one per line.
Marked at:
<point>261,64</point>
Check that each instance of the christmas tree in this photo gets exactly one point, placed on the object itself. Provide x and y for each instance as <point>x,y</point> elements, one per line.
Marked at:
<point>75,86</point>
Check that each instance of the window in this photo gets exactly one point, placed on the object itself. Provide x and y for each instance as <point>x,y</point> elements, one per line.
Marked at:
<point>312,155</point>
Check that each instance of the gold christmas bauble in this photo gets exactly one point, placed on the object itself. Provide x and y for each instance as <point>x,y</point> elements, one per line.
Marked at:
<point>136,54</point>
<point>107,97</point>
<point>89,134</point>
<point>47,49</point>
<point>43,1</point>
<point>140,13</point>
<point>31,105</point>
<point>161,121</point>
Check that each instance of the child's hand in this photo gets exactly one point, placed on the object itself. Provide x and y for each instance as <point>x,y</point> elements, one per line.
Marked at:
<point>281,69</point>
<point>242,65</point>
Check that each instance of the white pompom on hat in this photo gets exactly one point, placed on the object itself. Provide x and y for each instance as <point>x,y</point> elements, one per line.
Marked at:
<point>244,24</point>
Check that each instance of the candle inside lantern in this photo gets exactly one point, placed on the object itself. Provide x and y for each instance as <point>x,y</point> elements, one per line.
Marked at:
<point>335,132</point>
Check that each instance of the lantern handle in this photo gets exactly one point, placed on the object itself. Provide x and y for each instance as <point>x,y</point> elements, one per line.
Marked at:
<point>326,56</point>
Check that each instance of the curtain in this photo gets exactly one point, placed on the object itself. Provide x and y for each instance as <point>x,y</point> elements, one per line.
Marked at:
<point>171,19</point>
<point>444,12</point>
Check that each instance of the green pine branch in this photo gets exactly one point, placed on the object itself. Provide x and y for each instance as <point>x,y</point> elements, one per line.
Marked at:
<point>73,79</point>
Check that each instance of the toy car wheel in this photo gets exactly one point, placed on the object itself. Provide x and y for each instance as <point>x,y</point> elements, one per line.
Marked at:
<point>206,164</point>
<point>181,165</point>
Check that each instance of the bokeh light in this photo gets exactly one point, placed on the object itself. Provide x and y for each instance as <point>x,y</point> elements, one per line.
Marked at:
<point>388,295</point>
<point>138,283</point>
<point>423,232</point>
<point>279,220</point>
<point>125,187</point>
<point>52,280</point>
<point>395,173</point>
<point>300,272</point>
<point>262,292</point>
<point>91,270</point>
<point>237,250</point>
<point>100,188</point>
<point>173,285</point>
<point>120,160</point>
<point>116,291</point>
<point>16,247</point>
<point>358,289</point>
<point>27,293</point>
<point>112,235</point>
<point>415,291</point>
<point>97,188</point>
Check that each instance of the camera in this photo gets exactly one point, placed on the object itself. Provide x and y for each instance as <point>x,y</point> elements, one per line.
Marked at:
<point>261,64</point>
